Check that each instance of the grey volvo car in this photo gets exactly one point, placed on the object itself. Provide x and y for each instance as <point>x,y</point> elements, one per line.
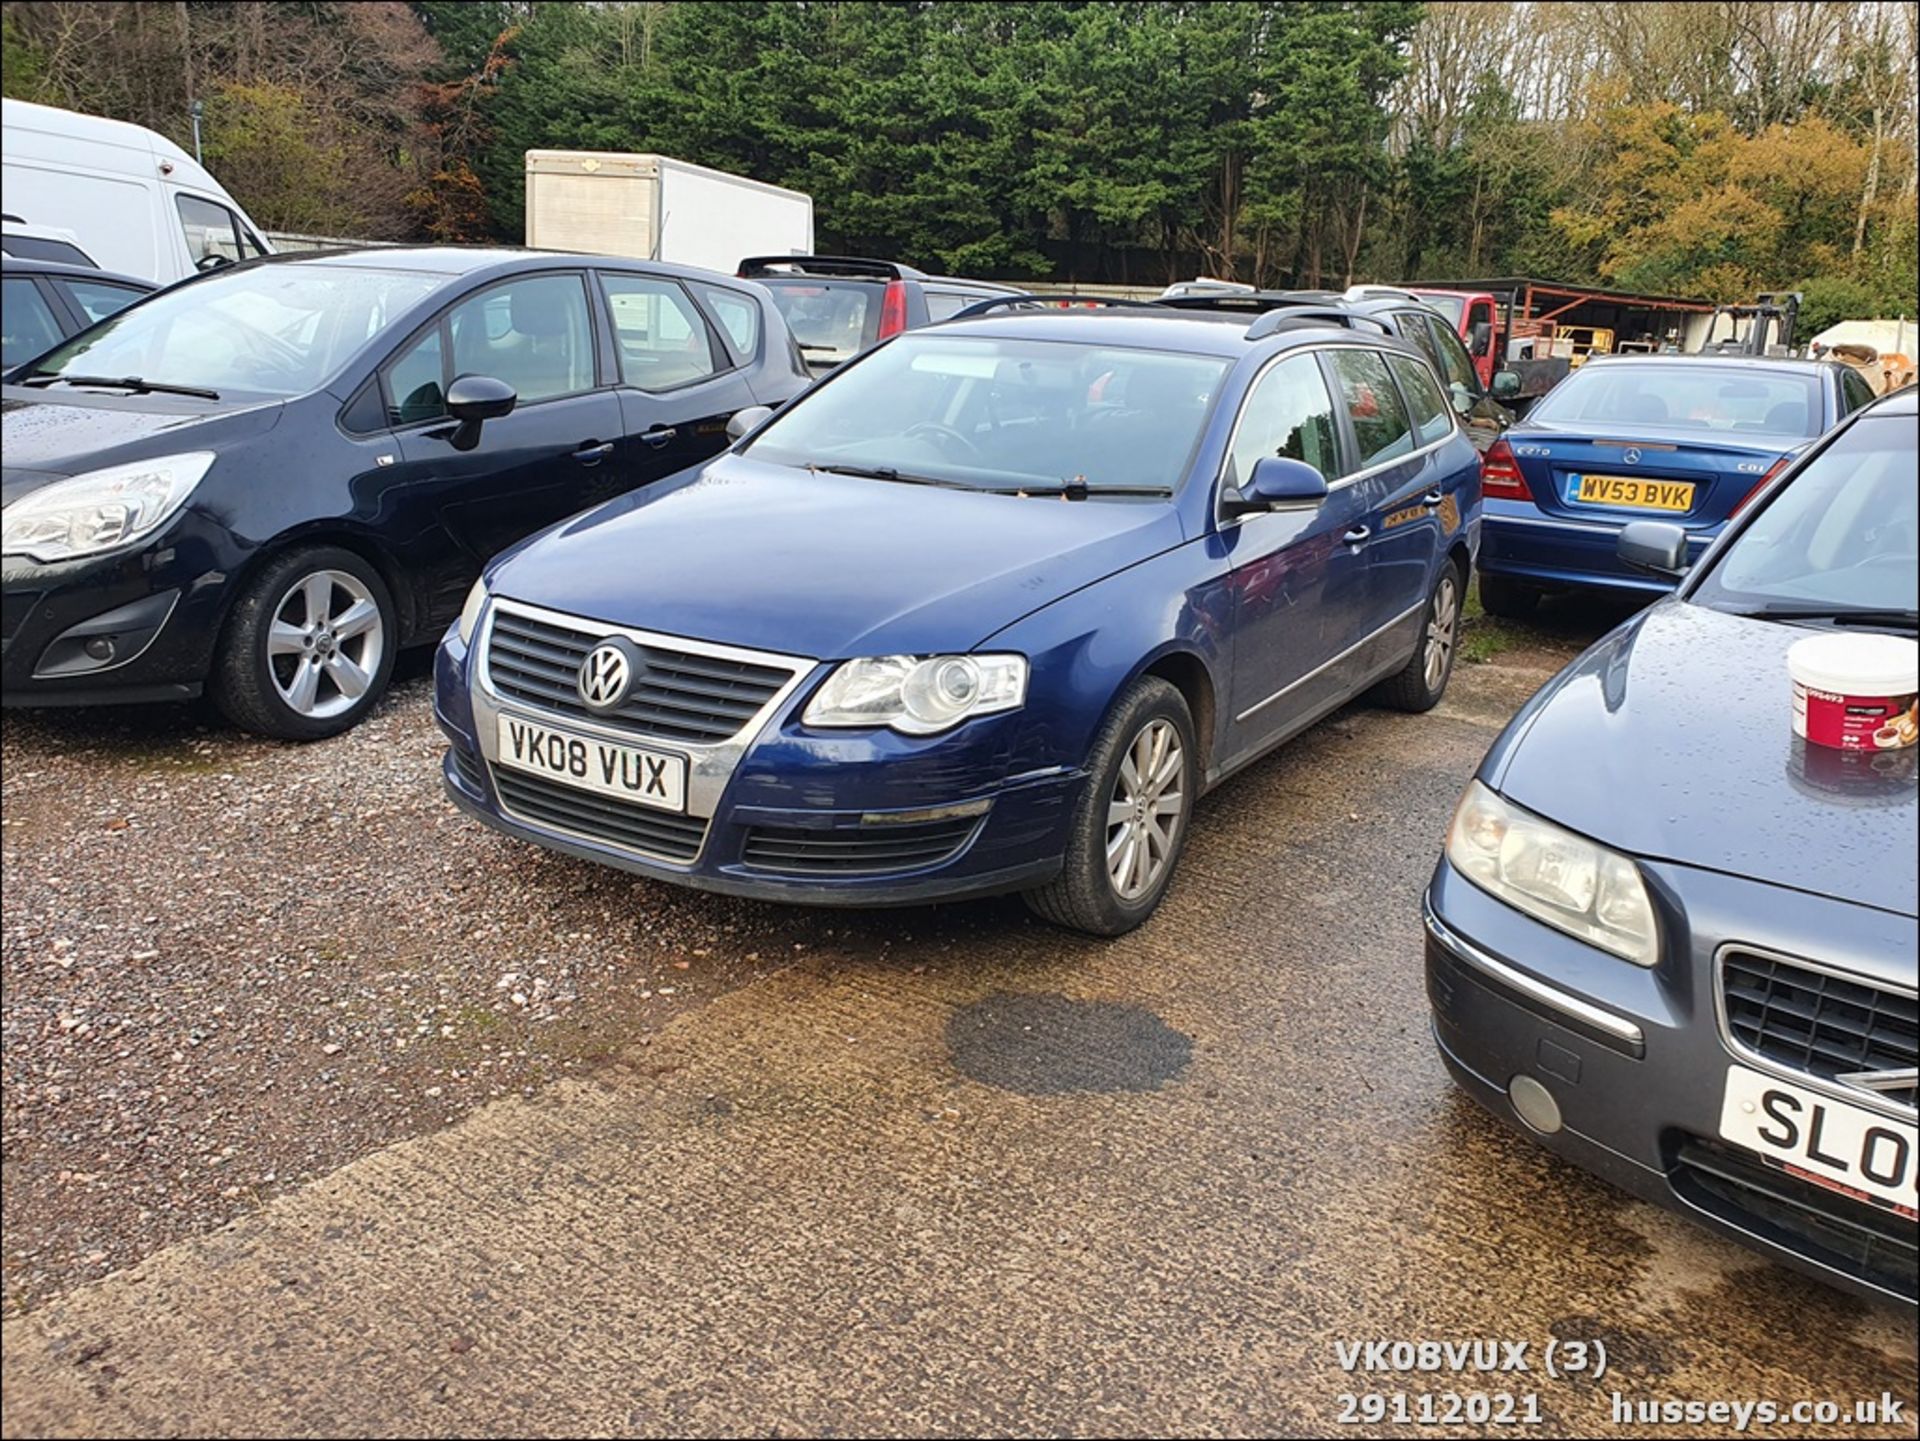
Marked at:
<point>1675,942</point>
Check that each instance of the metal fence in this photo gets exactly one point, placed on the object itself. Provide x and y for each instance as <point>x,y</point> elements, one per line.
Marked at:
<point>288,243</point>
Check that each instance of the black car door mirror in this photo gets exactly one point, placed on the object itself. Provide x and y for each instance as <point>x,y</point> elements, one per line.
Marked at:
<point>472,399</point>
<point>747,420</point>
<point>1656,546</point>
<point>1277,482</point>
<point>1480,336</point>
<point>1506,384</point>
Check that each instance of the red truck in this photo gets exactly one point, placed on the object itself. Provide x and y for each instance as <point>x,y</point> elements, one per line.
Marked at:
<point>1476,316</point>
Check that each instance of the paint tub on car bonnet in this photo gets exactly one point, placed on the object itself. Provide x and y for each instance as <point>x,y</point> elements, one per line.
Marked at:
<point>1855,692</point>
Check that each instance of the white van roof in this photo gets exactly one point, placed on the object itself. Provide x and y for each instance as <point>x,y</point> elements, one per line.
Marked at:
<point>46,132</point>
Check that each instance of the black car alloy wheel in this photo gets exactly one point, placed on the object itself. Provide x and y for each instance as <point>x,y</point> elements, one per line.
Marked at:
<point>309,647</point>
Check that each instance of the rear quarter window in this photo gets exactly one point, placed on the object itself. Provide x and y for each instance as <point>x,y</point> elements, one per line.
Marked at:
<point>945,304</point>
<point>739,316</point>
<point>98,299</point>
<point>1432,416</point>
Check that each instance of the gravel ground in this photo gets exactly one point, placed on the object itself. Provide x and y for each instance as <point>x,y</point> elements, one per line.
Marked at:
<point>232,965</point>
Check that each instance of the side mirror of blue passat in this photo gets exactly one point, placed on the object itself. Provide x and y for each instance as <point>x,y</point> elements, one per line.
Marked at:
<point>1277,483</point>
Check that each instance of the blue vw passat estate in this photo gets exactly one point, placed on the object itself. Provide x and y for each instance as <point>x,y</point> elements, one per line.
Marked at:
<point>984,612</point>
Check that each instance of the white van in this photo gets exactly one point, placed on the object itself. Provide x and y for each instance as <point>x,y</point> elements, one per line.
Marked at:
<point>135,201</point>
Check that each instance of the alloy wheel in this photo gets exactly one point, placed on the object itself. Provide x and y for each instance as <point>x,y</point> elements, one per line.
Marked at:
<point>325,644</point>
<point>1443,627</point>
<point>1146,810</point>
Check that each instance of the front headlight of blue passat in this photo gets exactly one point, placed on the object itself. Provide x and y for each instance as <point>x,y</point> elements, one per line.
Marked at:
<point>918,695</point>
<point>1553,875</point>
<point>101,509</point>
<point>471,612</point>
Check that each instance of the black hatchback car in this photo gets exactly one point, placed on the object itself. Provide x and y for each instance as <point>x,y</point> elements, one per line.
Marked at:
<point>263,482</point>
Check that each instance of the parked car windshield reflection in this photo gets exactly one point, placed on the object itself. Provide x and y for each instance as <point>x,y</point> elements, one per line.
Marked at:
<point>1844,533</point>
<point>279,330</point>
<point>994,414</point>
<point>1733,399</point>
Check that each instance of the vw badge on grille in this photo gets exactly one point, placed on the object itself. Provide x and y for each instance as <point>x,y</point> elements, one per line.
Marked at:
<point>605,675</point>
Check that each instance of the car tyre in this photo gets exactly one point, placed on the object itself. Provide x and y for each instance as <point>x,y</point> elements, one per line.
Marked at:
<point>1142,777</point>
<point>1423,680</point>
<point>1507,599</point>
<point>308,648</point>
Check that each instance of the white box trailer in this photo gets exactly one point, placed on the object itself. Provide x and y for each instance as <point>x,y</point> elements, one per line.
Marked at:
<point>656,208</point>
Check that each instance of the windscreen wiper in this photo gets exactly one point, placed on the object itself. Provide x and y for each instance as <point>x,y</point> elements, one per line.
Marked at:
<point>124,382</point>
<point>887,472</point>
<point>1841,615</point>
<point>1078,489</point>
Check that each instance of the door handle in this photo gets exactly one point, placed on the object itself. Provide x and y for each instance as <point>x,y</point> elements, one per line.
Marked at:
<point>1356,536</point>
<point>593,452</point>
<point>1433,499</point>
<point>660,435</point>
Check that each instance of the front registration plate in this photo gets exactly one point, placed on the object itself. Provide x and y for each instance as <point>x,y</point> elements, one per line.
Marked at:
<point>629,773</point>
<point>1845,1148</point>
<point>1633,492</point>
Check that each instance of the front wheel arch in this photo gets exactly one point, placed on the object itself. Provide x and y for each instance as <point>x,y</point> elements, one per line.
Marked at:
<point>368,548</point>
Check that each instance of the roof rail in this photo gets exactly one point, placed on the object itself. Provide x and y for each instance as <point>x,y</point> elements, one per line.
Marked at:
<point>1378,292</point>
<point>1310,317</point>
<point>1252,301</point>
<point>1026,301</point>
<point>1205,285</point>
<point>852,266</point>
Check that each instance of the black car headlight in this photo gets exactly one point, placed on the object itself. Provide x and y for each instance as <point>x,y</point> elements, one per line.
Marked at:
<point>101,509</point>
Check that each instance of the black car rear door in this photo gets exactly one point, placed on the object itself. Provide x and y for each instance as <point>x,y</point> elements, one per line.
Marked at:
<point>683,372</point>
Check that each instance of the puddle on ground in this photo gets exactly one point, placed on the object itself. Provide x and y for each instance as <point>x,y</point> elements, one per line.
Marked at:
<point>1051,1045</point>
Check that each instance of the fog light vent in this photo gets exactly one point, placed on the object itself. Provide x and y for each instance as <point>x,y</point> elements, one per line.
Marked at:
<point>1534,1104</point>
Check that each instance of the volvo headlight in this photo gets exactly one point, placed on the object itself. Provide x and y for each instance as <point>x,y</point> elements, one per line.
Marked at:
<point>471,612</point>
<point>101,509</point>
<point>1553,875</point>
<point>918,696</point>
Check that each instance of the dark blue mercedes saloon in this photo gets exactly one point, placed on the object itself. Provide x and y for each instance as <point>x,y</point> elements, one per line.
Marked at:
<point>1674,940</point>
<point>1687,439</point>
<point>984,611</point>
